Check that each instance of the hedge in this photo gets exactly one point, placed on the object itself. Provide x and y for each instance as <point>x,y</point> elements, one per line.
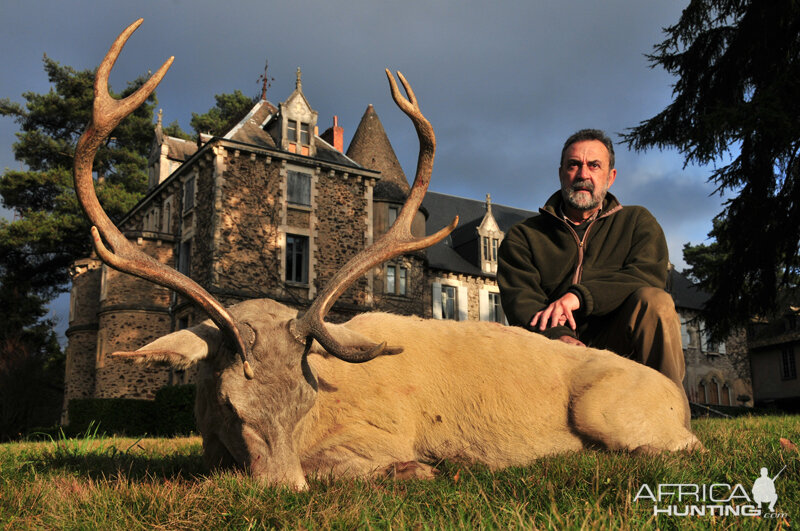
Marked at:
<point>175,410</point>
<point>171,413</point>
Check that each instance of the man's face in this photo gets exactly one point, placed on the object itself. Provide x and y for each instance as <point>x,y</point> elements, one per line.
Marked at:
<point>585,175</point>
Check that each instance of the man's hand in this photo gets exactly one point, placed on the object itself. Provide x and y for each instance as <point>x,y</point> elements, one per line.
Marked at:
<point>572,341</point>
<point>557,313</point>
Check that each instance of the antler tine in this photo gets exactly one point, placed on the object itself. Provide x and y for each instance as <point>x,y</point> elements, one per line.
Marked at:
<point>107,113</point>
<point>396,241</point>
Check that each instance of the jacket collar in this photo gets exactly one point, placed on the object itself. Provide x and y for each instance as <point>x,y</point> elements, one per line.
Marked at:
<point>610,205</point>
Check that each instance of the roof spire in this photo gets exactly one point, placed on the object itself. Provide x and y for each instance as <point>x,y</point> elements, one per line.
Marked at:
<point>489,203</point>
<point>298,84</point>
<point>160,116</point>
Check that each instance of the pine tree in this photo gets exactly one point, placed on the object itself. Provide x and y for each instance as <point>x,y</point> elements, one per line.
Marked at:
<point>50,231</point>
<point>736,106</point>
<point>228,109</point>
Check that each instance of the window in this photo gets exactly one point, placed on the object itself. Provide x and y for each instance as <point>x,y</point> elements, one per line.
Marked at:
<point>495,309</point>
<point>448,302</point>
<point>304,131</point>
<point>706,345</point>
<point>788,365</point>
<point>390,278</point>
<point>185,257</point>
<point>188,194</point>
<point>299,187</point>
<point>402,281</point>
<point>167,217</point>
<point>490,248</point>
<point>685,337</point>
<point>297,259</point>
<point>393,211</point>
<point>396,279</point>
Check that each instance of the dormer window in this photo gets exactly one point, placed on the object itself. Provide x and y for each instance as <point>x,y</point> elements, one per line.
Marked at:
<point>490,238</point>
<point>298,123</point>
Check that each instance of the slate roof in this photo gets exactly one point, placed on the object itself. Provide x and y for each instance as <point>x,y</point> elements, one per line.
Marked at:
<point>441,210</point>
<point>329,153</point>
<point>180,149</point>
<point>684,292</point>
<point>370,147</point>
<point>250,129</point>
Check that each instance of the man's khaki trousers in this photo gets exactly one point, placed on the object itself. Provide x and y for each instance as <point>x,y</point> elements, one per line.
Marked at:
<point>646,328</point>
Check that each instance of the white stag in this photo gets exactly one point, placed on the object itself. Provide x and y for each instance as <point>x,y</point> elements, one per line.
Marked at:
<point>285,396</point>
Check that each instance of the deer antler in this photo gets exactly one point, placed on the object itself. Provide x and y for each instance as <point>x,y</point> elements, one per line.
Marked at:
<point>107,113</point>
<point>398,240</point>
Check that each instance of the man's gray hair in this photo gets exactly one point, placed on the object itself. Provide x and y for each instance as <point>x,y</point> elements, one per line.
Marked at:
<point>590,134</point>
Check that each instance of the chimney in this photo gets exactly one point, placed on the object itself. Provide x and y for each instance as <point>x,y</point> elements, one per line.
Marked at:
<point>334,135</point>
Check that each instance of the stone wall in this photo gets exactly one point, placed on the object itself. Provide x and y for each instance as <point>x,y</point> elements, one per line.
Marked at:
<point>343,215</point>
<point>246,240</point>
<point>133,312</point>
<point>79,374</point>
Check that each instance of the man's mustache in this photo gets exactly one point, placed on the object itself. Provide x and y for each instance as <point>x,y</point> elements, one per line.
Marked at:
<point>585,185</point>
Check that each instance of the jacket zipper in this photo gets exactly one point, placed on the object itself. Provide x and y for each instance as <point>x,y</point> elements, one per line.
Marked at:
<point>576,278</point>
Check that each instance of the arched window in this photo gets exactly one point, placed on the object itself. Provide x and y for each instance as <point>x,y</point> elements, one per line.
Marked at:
<point>713,388</point>
<point>701,393</point>
<point>726,395</point>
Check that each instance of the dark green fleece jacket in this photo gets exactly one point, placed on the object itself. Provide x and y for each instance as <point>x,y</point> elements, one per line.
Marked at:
<point>542,258</point>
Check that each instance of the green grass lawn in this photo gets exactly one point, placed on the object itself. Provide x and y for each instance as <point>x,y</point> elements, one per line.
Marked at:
<point>122,483</point>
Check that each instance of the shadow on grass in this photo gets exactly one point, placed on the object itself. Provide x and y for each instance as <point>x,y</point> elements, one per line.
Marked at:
<point>135,464</point>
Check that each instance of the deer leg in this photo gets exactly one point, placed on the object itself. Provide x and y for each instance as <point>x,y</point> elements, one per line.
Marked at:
<point>408,470</point>
<point>634,410</point>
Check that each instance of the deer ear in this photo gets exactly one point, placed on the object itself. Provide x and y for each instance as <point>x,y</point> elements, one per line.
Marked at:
<point>180,349</point>
<point>351,339</point>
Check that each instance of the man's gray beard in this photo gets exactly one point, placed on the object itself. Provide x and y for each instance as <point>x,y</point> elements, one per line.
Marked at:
<point>577,200</point>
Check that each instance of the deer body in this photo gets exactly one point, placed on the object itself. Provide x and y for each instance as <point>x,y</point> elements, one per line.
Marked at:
<point>464,391</point>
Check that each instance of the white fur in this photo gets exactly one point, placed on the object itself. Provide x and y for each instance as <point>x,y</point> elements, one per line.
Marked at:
<point>468,391</point>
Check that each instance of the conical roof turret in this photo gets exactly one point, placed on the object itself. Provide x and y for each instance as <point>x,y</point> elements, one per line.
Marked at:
<point>371,148</point>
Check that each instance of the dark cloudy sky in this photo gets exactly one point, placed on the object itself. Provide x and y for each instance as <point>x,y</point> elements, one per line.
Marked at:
<point>503,83</point>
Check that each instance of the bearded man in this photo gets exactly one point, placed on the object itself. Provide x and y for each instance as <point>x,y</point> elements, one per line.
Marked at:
<point>589,272</point>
